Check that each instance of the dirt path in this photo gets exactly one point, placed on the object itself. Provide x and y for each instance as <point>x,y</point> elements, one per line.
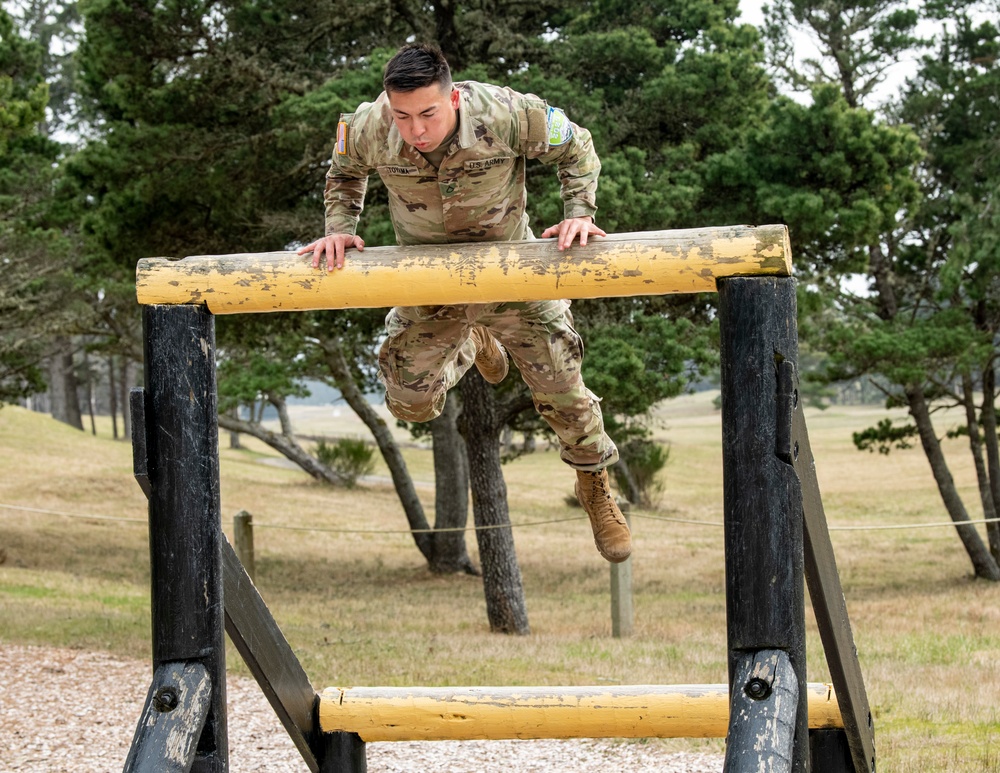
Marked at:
<point>65,710</point>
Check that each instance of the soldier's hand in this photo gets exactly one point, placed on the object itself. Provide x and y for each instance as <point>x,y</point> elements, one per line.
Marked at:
<point>572,227</point>
<point>333,246</point>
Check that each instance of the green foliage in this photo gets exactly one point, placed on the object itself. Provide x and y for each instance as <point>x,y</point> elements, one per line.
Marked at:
<point>214,125</point>
<point>636,363</point>
<point>218,122</point>
<point>34,249</point>
<point>834,174</point>
<point>351,457</point>
<point>645,459</point>
<point>952,103</point>
<point>23,91</point>
<point>256,364</point>
<point>905,351</point>
<point>884,436</point>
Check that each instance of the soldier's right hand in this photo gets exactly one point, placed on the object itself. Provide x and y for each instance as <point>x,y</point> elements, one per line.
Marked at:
<point>333,246</point>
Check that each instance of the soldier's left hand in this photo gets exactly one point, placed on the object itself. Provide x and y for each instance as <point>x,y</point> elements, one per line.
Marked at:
<point>570,228</point>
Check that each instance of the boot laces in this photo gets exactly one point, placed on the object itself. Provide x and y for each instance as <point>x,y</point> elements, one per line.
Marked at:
<point>600,497</point>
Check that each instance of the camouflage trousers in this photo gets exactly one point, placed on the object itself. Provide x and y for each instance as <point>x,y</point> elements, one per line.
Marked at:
<point>428,350</point>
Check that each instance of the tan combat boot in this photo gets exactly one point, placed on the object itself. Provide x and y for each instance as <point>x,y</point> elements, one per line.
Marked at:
<point>611,533</point>
<point>491,359</point>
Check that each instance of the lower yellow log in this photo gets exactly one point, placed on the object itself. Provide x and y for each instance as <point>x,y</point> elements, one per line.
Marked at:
<point>471,713</point>
<point>646,263</point>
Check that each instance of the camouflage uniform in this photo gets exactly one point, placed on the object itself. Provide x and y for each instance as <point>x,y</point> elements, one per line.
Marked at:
<point>477,194</point>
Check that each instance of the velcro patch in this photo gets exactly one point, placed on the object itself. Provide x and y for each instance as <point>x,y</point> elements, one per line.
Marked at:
<point>342,138</point>
<point>560,129</point>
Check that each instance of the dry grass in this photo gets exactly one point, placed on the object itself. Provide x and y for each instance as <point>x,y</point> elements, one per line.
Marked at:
<point>361,609</point>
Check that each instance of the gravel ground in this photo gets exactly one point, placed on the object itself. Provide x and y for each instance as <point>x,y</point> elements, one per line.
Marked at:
<point>65,710</point>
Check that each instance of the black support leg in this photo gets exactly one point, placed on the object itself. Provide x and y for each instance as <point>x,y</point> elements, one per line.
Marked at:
<point>180,435</point>
<point>765,589</point>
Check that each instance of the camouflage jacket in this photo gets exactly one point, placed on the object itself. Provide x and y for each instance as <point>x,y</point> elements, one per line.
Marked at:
<point>478,192</point>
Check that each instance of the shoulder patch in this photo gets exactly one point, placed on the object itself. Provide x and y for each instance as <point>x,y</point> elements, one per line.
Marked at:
<point>560,129</point>
<point>342,147</point>
<point>342,138</point>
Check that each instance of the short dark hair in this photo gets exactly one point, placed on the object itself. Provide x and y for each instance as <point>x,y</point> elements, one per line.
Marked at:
<point>415,66</point>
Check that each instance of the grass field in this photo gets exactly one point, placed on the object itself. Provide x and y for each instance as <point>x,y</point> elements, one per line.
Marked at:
<point>355,600</point>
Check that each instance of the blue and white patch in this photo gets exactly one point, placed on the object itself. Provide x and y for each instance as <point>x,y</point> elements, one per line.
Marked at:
<point>560,129</point>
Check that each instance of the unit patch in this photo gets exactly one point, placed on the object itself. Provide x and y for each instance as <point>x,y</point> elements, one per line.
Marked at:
<point>560,129</point>
<point>342,138</point>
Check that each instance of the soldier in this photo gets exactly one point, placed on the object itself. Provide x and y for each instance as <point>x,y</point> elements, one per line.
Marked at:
<point>452,157</point>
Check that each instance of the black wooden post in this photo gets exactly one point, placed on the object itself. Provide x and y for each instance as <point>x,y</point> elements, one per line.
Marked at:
<point>765,593</point>
<point>185,523</point>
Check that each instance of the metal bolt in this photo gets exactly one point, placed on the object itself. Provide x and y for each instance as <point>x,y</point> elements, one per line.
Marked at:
<point>758,689</point>
<point>165,699</point>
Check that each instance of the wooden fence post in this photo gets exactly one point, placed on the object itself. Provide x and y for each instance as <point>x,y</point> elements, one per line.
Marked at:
<point>243,542</point>
<point>622,612</point>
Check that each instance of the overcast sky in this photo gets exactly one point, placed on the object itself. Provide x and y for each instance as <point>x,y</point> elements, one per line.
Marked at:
<point>751,12</point>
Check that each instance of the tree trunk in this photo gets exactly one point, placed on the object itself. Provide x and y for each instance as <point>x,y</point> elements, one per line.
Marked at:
<point>405,490</point>
<point>124,386</point>
<point>234,437</point>
<point>989,415</point>
<point>286,446</point>
<point>89,391</point>
<point>976,448</point>
<point>451,493</point>
<point>505,606</point>
<point>623,474</point>
<point>983,563</point>
<point>507,440</point>
<point>881,269</point>
<point>64,400</point>
<point>279,405</point>
<point>446,35</point>
<point>112,397</point>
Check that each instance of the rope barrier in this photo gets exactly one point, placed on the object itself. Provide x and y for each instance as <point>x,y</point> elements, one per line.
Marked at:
<point>914,525</point>
<point>831,527</point>
<point>639,513</point>
<point>74,515</point>
<point>415,531</point>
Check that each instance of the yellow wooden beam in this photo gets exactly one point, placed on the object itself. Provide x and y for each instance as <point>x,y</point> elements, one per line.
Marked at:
<point>471,713</point>
<point>646,263</point>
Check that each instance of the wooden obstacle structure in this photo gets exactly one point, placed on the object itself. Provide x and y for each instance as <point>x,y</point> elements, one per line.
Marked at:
<point>776,536</point>
<point>476,713</point>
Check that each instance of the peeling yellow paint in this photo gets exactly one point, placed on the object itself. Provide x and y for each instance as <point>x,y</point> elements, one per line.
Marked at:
<point>645,263</point>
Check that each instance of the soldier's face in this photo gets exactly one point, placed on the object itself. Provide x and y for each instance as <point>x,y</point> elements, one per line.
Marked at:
<point>425,117</point>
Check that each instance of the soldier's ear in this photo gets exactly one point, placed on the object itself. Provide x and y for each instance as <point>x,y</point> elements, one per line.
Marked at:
<point>455,98</point>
